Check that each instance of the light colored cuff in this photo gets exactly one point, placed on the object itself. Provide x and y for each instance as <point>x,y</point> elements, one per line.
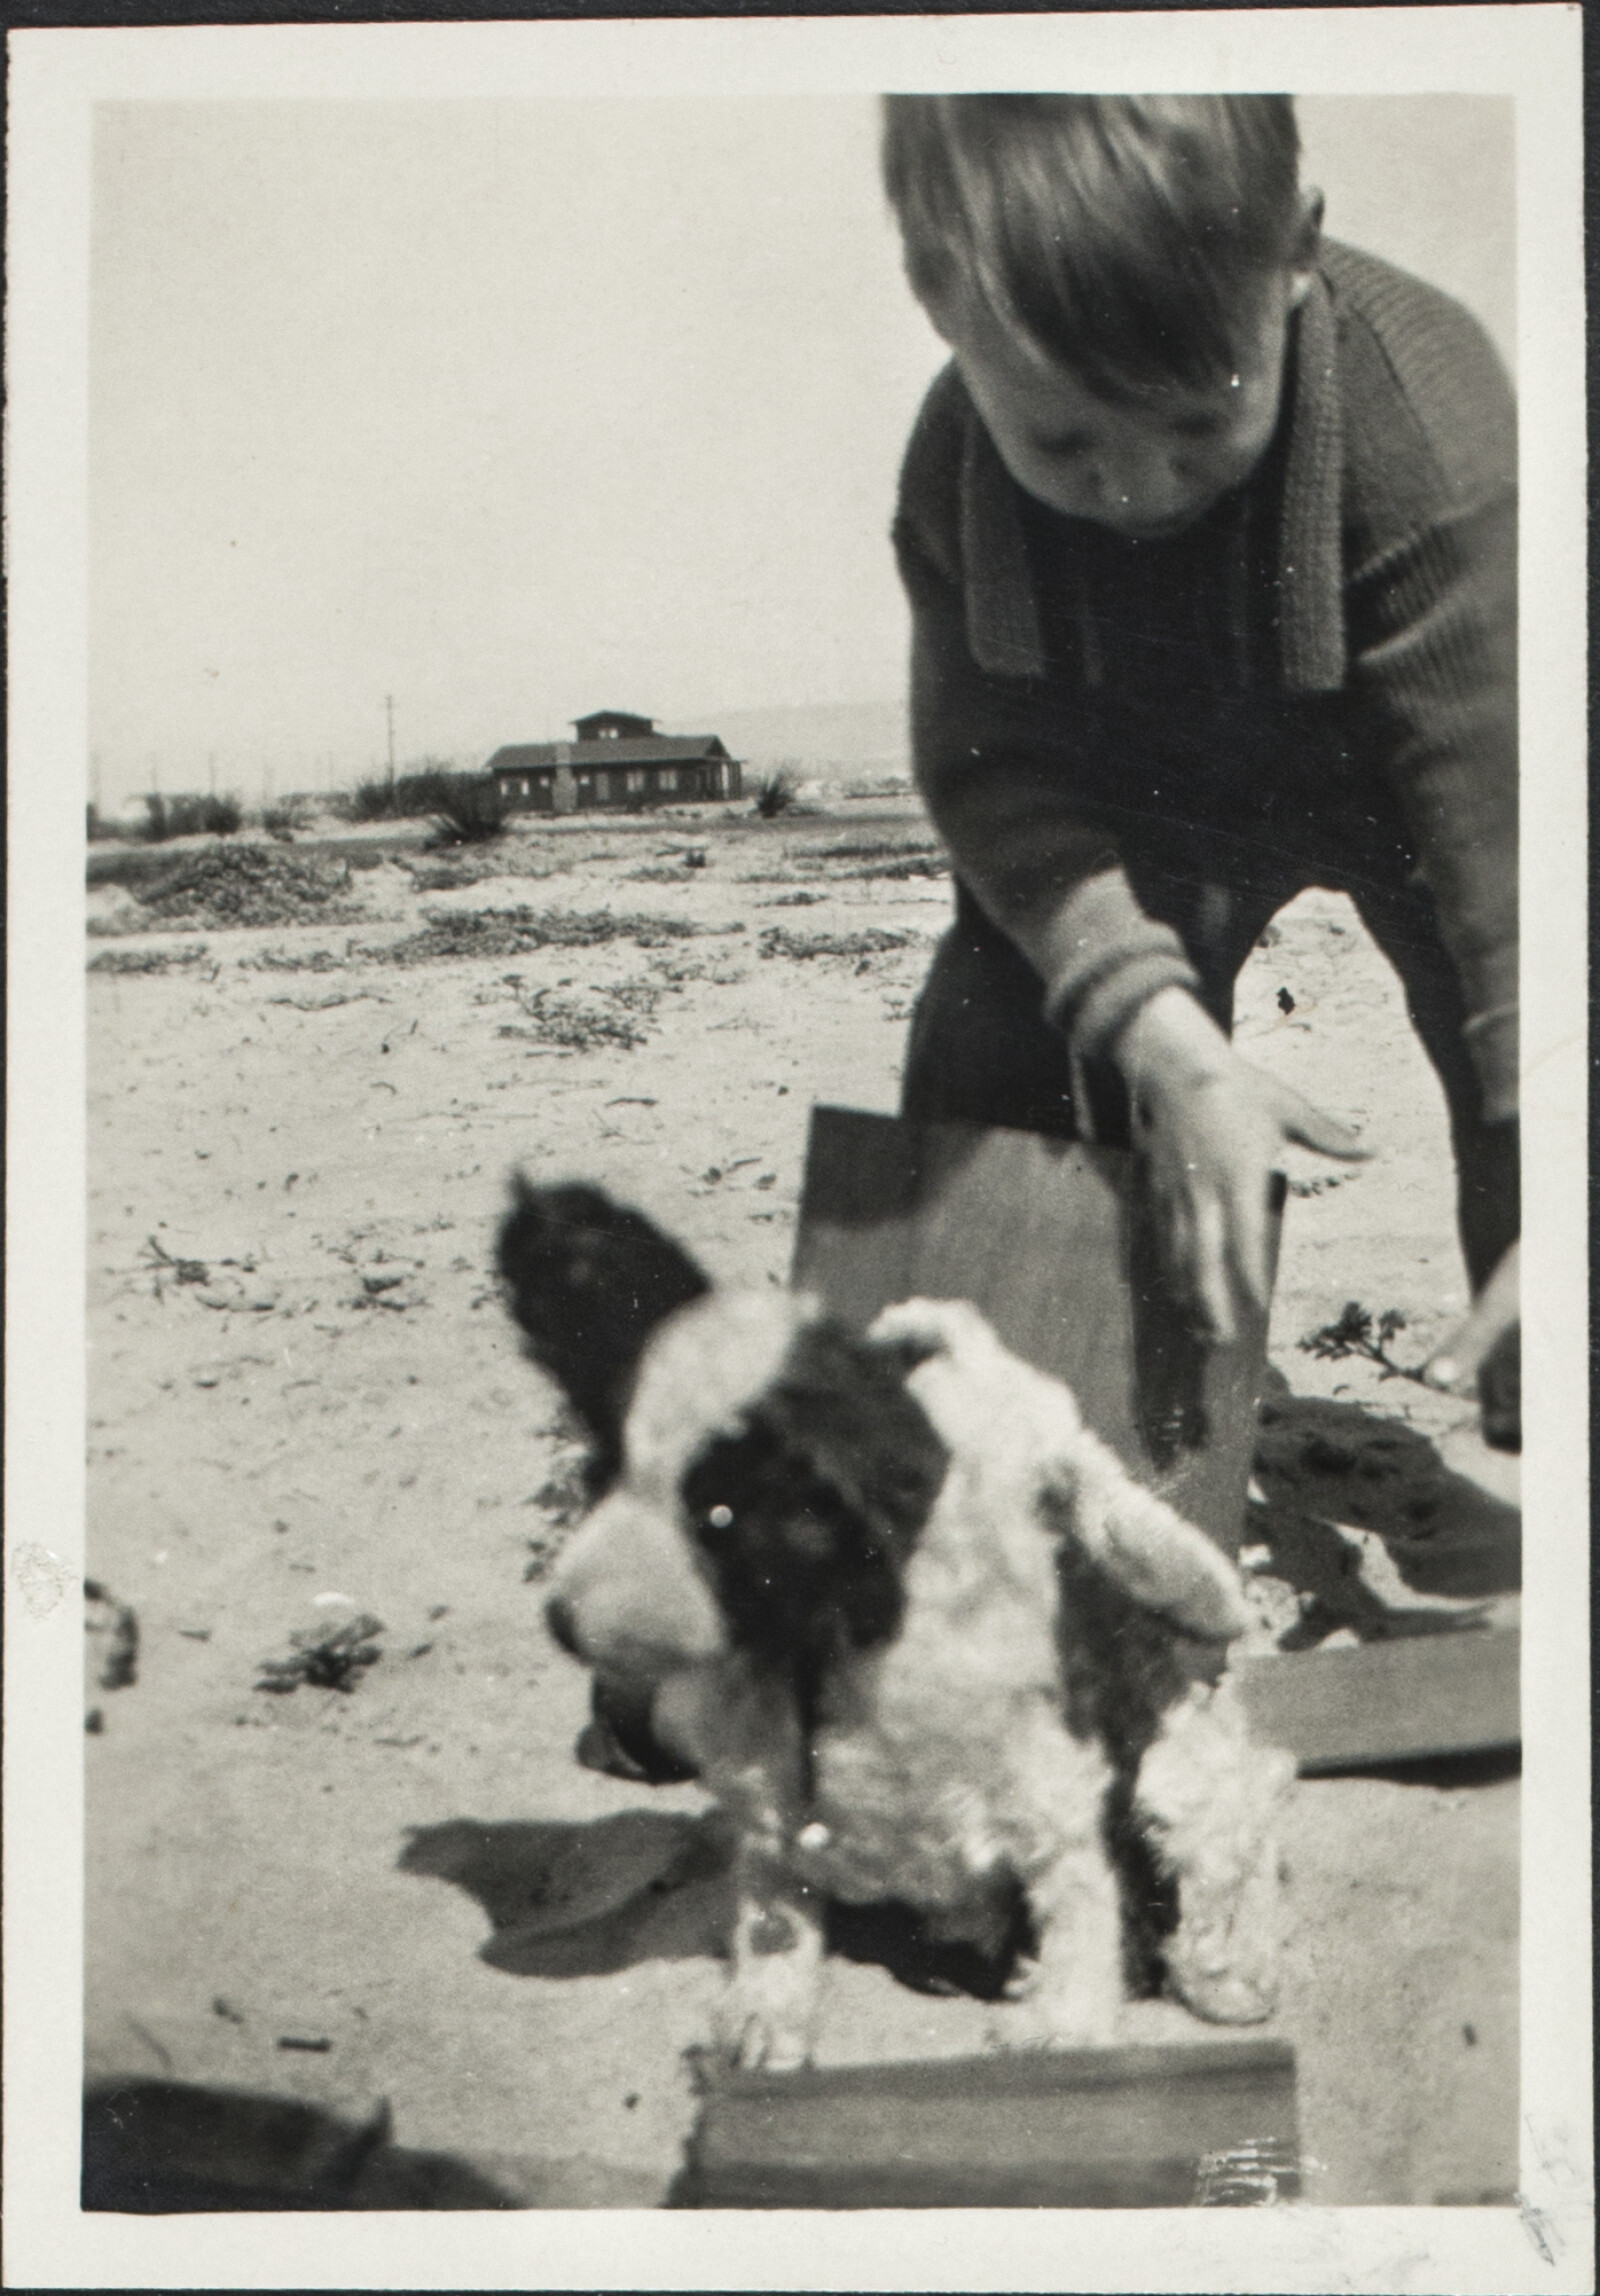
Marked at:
<point>1493,1041</point>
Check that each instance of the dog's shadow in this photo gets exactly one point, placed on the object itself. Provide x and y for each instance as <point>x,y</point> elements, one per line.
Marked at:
<point>1438,1544</point>
<point>570,1899</point>
<point>567,1899</point>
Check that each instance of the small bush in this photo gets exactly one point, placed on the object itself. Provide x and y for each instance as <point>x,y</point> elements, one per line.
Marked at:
<point>284,819</point>
<point>776,793</point>
<point>512,932</point>
<point>778,941</point>
<point>616,1018</point>
<point>429,788</point>
<point>190,817</point>
<point>472,809</point>
<point>373,801</point>
<point>1360,1334</point>
<point>148,960</point>
<point>255,884</point>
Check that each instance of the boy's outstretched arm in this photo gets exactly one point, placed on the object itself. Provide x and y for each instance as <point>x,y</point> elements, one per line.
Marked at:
<point>1212,1130</point>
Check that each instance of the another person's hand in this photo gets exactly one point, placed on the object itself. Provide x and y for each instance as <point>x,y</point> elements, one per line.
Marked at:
<point>1212,1130</point>
<point>1484,1352</point>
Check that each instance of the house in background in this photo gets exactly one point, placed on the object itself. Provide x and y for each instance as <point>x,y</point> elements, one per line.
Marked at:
<point>618,761</point>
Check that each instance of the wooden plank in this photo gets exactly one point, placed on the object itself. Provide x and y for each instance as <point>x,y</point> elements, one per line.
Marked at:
<point>1166,2127</point>
<point>1406,1700</point>
<point>1054,1242</point>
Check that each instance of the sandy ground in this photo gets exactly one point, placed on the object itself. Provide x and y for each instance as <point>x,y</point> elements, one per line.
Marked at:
<point>307,1403</point>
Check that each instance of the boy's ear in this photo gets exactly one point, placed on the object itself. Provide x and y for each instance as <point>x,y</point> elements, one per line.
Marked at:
<point>1307,242</point>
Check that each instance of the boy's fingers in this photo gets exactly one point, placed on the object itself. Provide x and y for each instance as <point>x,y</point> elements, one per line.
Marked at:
<point>1496,1308</point>
<point>1213,1280</point>
<point>1314,1128</point>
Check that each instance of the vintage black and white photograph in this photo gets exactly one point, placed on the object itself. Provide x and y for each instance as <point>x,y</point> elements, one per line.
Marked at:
<point>801,1187</point>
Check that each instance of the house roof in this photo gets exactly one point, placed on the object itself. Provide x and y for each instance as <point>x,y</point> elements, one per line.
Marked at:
<point>583,756</point>
<point>626,722</point>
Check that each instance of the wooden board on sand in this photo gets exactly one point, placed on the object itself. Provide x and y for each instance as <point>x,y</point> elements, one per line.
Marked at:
<point>1207,2124</point>
<point>1053,1241</point>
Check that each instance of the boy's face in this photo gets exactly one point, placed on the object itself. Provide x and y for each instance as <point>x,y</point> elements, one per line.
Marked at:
<point>1147,468</point>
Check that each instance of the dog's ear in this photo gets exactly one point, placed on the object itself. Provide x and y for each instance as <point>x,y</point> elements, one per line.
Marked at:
<point>589,1282</point>
<point>809,1509</point>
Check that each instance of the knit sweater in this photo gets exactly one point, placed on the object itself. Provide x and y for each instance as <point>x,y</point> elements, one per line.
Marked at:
<point>1316,682</point>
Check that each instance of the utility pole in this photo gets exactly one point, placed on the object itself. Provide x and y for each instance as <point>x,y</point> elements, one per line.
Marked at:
<point>388,705</point>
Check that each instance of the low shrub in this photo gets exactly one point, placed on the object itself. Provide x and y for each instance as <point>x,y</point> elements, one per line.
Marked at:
<point>190,817</point>
<point>778,941</point>
<point>776,793</point>
<point>408,797</point>
<point>471,809</point>
<point>283,819</point>
<point>512,932</point>
<point>148,960</point>
<point>252,884</point>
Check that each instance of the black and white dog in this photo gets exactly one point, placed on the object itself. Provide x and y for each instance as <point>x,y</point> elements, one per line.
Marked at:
<point>911,1623</point>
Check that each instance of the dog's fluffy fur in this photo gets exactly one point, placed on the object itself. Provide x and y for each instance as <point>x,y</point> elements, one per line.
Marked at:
<point>913,1625</point>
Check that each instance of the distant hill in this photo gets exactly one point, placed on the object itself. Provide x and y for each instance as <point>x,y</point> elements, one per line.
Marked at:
<point>830,741</point>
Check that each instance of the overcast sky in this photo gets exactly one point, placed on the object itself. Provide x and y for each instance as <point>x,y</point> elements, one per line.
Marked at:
<point>515,410</point>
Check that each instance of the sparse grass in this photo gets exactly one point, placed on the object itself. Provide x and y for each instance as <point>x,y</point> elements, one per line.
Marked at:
<point>776,793</point>
<point>166,1268</point>
<point>615,1018</point>
<point>167,817</point>
<point>908,865</point>
<point>293,961</point>
<point>148,960</point>
<point>879,785</point>
<point>515,858</point>
<point>872,849</point>
<point>514,932</point>
<point>778,941</point>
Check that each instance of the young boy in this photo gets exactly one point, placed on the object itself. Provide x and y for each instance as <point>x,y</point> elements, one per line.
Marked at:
<point>1209,535</point>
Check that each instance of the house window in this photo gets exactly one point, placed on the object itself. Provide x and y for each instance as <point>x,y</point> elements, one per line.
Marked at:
<point>669,777</point>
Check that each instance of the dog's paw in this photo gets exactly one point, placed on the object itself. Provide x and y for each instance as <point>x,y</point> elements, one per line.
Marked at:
<point>1222,1961</point>
<point>766,2026</point>
<point>767,2016</point>
<point>1025,2025</point>
<point>1045,2016</point>
<point>1225,1996</point>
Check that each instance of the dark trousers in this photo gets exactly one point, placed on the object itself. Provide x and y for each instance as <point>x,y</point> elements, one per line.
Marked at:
<point>981,1051</point>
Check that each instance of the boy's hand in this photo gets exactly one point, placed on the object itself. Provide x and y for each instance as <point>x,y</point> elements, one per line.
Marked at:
<point>1212,1129</point>
<point>1485,1352</point>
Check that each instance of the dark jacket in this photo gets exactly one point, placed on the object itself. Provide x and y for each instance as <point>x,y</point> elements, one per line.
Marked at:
<point>1316,683</point>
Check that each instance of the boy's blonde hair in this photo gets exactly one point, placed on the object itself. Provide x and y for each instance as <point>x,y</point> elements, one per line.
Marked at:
<point>1123,236</point>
